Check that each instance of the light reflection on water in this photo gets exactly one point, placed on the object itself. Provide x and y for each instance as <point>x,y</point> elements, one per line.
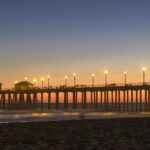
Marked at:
<point>58,116</point>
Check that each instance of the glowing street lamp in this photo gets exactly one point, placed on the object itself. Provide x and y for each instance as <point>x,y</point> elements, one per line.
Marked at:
<point>74,78</point>
<point>42,80</point>
<point>106,73</point>
<point>125,77</point>
<point>16,81</point>
<point>26,78</point>
<point>143,70</point>
<point>34,81</point>
<point>93,78</point>
<point>66,77</point>
<point>48,77</point>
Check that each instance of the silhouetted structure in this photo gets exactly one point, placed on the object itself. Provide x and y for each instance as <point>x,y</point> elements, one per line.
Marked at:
<point>24,85</point>
<point>112,97</point>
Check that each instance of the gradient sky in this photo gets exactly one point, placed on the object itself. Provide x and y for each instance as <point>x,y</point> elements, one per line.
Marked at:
<point>60,37</point>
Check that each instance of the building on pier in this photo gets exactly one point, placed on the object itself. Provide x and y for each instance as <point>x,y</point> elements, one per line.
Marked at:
<point>24,85</point>
<point>0,86</point>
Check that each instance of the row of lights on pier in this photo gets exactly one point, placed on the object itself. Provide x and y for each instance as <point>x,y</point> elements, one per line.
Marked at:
<point>92,76</point>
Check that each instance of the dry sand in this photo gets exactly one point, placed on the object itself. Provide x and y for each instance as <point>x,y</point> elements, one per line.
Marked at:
<point>102,134</point>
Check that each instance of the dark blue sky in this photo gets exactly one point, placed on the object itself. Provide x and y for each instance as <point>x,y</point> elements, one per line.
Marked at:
<point>40,37</point>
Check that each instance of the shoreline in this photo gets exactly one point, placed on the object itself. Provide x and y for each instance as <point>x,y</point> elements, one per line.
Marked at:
<point>14,117</point>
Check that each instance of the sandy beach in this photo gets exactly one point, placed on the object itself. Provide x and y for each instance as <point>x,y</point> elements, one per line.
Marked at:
<point>102,134</point>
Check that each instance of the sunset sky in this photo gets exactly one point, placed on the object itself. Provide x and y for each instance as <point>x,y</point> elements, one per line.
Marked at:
<point>60,37</point>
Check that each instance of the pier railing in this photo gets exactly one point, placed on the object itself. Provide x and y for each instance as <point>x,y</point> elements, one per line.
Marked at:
<point>86,86</point>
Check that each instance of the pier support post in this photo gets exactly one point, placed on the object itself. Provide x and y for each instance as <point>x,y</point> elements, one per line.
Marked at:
<point>145,100</point>
<point>65,100</point>
<point>101,101</point>
<point>9,101</point>
<point>91,100</point>
<point>42,100</point>
<point>74,100</point>
<point>124,100</point>
<point>119,100</point>
<point>148,100</point>
<point>0,101</point>
<point>127,100</point>
<point>136,105</point>
<point>94,100</point>
<point>3,101</point>
<point>21,101</point>
<point>85,100</point>
<point>131,100</point>
<point>15,101</point>
<point>57,100</point>
<point>116,100</point>
<point>35,101</point>
<point>49,100</point>
<point>82,99</point>
<point>28,101</point>
<point>105,101</point>
<point>96,97</point>
<point>112,101</point>
<point>140,100</point>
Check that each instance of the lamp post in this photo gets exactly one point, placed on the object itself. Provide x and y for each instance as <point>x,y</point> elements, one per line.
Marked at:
<point>74,78</point>
<point>66,77</point>
<point>125,77</point>
<point>42,80</point>
<point>106,73</point>
<point>93,78</point>
<point>48,77</point>
<point>143,70</point>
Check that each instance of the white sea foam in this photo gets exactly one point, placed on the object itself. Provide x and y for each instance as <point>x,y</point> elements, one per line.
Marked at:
<point>58,116</point>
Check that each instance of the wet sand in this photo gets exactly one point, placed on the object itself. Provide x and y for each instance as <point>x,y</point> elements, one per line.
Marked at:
<point>102,134</point>
<point>16,116</point>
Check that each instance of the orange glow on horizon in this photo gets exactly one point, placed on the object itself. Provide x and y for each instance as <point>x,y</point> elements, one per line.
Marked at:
<point>83,78</point>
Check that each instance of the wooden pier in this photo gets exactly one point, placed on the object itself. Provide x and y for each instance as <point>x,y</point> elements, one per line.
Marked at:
<point>108,98</point>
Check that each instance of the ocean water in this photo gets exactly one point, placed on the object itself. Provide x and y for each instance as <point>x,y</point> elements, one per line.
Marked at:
<point>89,107</point>
<point>23,116</point>
<point>53,114</point>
